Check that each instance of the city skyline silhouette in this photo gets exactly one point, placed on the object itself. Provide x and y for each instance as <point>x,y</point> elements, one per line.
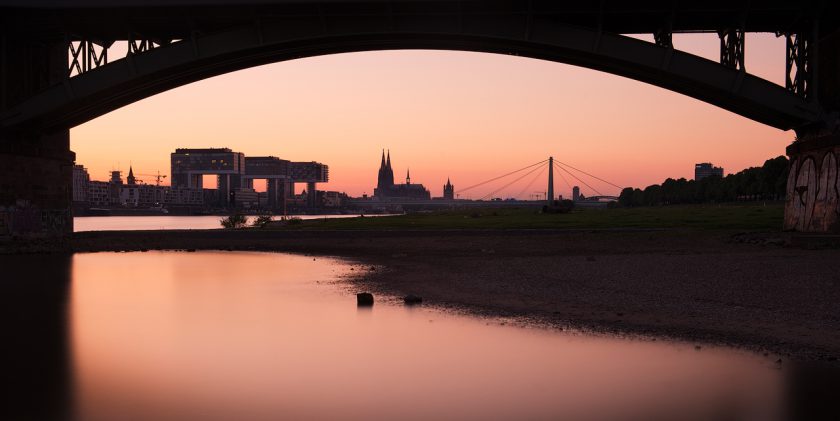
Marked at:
<point>450,114</point>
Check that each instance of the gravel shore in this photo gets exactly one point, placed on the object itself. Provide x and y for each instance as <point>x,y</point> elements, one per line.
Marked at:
<point>705,286</point>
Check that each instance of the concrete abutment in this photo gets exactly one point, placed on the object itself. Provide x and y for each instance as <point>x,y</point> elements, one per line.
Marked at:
<point>813,185</point>
<point>36,185</point>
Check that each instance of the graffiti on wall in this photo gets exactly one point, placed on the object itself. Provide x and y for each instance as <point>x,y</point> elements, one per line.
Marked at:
<point>4,222</point>
<point>23,219</point>
<point>813,189</point>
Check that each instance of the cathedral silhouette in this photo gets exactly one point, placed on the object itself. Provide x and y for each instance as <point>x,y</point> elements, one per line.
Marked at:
<point>386,189</point>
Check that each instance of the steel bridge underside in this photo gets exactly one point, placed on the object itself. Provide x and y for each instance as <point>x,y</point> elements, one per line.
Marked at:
<point>214,39</point>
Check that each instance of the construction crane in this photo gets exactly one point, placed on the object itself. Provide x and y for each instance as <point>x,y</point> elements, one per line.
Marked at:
<point>158,177</point>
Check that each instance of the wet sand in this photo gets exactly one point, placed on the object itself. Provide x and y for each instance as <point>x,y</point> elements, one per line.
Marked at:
<point>710,287</point>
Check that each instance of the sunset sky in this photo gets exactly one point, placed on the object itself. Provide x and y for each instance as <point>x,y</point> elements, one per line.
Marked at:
<point>467,116</point>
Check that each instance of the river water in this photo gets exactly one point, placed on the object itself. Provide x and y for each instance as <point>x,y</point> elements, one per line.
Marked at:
<point>268,336</point>
<point>162,222</point>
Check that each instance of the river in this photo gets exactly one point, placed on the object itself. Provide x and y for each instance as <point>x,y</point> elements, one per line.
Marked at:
<point>265,336</point>
<point>143,223</point>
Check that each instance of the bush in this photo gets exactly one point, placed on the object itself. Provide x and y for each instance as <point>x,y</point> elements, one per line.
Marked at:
<point>261,221</point>
<point>234,221</point>
<point>559,206</point>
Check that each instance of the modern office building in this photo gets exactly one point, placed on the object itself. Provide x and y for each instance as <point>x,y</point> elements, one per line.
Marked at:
<point>236,171</point>
<point>310,173</point>
<point>184,197</point>
<point>275,172</point>
<point>706,169</point>
<point>245,198</point>
<point>142,195</point>
<point>99,193</point>
<point>189,166</point>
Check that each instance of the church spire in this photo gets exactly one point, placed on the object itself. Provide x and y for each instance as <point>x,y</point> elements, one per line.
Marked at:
<point>130,179</point>
<point>382,165</point>
<point>389,159</point>
<point>448,190</point>
<point>407,176</point>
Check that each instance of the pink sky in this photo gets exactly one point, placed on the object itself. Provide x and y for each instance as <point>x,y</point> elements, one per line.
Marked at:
<point>467,116</point>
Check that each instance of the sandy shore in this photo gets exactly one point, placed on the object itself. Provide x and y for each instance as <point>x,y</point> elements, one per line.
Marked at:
<point>699,286</point>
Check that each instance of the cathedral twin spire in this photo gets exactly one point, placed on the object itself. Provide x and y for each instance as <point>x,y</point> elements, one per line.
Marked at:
<point>386,164</point>
<point>386,173</point>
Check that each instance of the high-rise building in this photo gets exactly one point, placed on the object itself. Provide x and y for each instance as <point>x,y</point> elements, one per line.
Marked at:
<point>448,190</point>
<point>706,169</point>
<point>575,193</point>
<point>81,178</point>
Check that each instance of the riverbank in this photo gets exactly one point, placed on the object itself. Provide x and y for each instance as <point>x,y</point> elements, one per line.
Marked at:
<point>754,290</point>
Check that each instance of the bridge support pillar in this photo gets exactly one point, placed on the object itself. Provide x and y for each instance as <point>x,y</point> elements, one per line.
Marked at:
<point>276,191</point>
<point>36,169</point>
<point>311,195</point>
<point>36,185</point>
<point>813,185</point>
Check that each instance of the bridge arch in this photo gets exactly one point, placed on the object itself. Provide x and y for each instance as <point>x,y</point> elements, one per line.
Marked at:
<point>119,83</point>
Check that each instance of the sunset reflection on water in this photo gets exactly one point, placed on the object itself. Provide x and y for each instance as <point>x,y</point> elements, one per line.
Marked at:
<point>258,336</point>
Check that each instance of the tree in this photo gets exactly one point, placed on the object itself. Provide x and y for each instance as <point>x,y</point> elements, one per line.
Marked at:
<point>757,183</point>
<point>625,199</point>
<point>638,197</point>
<point>261,221</point>
<point>774,176</point>
<point>653,195</point>
<point>234,221</point>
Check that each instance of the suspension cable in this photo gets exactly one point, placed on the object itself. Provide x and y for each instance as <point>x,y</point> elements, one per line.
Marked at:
<point>584,172</point>
<point>531,182</point>
<point>501,176</point>
<point>565,181</point>
<point>578,179</point>
<point>509,184</point>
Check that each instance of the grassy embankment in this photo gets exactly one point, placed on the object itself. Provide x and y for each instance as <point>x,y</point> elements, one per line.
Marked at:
<point>751,217</point>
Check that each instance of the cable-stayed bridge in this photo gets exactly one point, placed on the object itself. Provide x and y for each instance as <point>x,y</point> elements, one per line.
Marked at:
<point>520,187</point>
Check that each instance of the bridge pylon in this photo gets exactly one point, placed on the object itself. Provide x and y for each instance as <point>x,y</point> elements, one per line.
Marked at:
<point>550,195</point>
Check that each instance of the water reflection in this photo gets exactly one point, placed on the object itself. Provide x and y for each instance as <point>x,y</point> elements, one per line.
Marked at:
<point>223,336</point>
<point>161,222</point>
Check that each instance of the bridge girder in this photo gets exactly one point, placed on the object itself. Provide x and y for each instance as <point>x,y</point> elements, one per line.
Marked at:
<point>798,64</point>
<point>150,68</point>
<point>732,42</point>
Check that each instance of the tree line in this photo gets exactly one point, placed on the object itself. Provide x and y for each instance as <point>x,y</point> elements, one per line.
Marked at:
<point>767,182</point>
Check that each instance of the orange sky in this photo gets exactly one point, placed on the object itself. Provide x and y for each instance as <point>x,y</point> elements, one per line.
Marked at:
<point>467,116</point>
